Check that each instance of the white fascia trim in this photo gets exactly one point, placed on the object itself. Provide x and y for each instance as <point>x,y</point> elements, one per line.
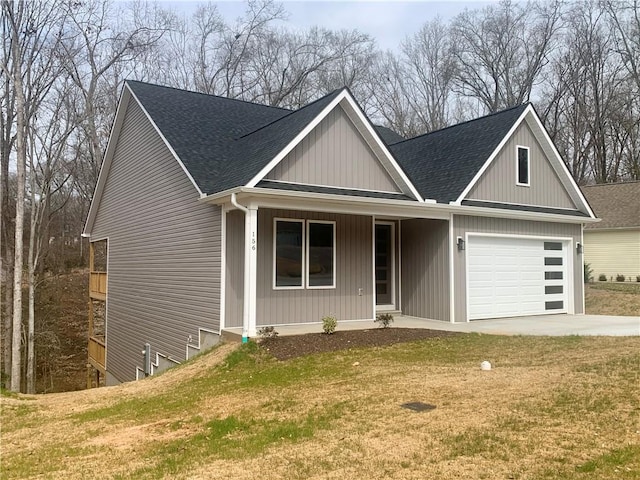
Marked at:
<point>166,142</point>
<point>380,144</point>
<point>560,162</point>
<point>344,95</point>
<point>106,161</point>
<point>401,208</point>
<point>492,157</point>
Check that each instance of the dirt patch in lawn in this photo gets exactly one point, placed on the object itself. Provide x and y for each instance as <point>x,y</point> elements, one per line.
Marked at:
<point>292,346</point>
<point>613,299</point>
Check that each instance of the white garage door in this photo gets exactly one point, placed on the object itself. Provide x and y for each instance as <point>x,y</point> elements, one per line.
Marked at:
<point>510,277</point>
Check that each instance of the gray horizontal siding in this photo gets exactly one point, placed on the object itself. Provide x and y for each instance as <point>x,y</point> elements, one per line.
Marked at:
<point>498,183</point>
<point>464,224</point>
<point>354,270</point>
<point>334,154</point>
<point>425,268</point>
<point>164,251</point>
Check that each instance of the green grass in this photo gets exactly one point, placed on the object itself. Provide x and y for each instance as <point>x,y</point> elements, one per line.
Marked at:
<point>273,407</point>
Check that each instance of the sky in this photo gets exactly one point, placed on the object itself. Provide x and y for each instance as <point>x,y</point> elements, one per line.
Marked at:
<point>389,22</point>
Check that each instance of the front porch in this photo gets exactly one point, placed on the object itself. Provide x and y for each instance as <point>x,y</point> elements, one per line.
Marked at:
<point>538,325</point>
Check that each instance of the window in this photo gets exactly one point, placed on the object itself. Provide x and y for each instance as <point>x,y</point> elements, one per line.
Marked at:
<point>321,254</point>
<point>301,254</point>
<point>522,166</point>
<point>288,253</point>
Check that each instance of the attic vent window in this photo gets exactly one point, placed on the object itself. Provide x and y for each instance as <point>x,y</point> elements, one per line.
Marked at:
<point>522,166</point>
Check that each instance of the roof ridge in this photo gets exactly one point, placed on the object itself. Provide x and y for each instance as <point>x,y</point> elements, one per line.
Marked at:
<point>464,123</point>
<point>291,112</point>
<point>209,95</point>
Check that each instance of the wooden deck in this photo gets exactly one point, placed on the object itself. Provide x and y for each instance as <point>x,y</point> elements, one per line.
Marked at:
<point>97,353</point>
<point>98,285</point>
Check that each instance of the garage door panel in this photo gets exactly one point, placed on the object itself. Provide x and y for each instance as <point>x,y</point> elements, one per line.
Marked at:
<point>509,276</point>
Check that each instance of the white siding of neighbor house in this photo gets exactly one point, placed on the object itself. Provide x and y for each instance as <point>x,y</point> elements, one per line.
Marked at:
<point>464,224</point>
<point>164,251</point>
<point>498,183</point>
<point>334,154</point>
<point>613,252</point>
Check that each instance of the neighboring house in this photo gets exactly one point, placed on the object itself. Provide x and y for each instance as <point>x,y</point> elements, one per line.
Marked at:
<point>220,213</point>
<point>612,246</point>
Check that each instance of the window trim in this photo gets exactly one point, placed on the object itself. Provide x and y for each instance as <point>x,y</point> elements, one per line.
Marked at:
<point>308,246</point>
<point>528,184</point>
<point>303,259</point>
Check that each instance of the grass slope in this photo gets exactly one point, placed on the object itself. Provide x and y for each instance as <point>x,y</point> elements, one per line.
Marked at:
<point>551,408</point>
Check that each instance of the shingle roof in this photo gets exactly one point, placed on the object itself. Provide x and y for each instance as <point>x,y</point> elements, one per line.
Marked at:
<point>442,163</point>
<point>332,190</point>
<point>617,204</point>
<point>526,208</point>
<point>224,143</point>
<point>388,136</point>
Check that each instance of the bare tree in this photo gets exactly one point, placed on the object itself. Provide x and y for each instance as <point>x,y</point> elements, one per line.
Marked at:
<point>502,49</point>
<point>431,68</point>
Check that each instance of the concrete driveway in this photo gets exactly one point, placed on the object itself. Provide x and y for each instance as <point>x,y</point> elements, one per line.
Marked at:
<point>553,325</point>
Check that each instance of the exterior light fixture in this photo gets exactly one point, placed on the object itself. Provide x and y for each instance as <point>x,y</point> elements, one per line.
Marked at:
<point>578,248</point>
<point>460,243</point>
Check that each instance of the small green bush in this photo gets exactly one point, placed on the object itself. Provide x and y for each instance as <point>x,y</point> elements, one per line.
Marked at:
<point>620,278</point>
<point>637,278</point>
<point>384,320</point>
<point>329,324</point>
<point>602,277</point>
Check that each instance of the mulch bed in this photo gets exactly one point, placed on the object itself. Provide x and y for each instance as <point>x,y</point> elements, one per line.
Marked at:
<point>292,346</point>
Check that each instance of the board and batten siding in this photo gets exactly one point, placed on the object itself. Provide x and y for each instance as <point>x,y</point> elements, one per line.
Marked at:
<point>498,183</point>
<point>354,271</point>
<point>164,252</point>
<point>334,154</point>
<point>613,252</point>
<point>425,268</point>
<point>234,283</point>
<point>463,224</point>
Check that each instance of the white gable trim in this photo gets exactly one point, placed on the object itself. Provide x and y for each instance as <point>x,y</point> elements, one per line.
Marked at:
<point>123,103</point>
<point>550,150</point>
<point>121,110</point>
<point>491,158</point>
<point>359,120</point>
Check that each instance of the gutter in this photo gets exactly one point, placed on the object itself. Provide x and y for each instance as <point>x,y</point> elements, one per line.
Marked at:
<point>418,208</point>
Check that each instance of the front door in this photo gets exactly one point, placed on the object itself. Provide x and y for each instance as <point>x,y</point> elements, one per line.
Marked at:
<point>385,252</point>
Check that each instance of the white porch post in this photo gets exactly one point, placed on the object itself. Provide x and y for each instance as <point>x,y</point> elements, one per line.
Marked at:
<point>250,272</point>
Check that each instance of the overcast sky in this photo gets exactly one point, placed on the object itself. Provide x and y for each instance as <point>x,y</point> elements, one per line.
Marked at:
<point>389,22</point>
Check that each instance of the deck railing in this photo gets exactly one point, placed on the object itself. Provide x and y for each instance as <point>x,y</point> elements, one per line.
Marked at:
<point>97,352</point>
<point>98,285</point>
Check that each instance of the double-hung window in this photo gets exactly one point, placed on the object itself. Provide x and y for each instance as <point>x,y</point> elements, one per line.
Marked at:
<point>304,254</point>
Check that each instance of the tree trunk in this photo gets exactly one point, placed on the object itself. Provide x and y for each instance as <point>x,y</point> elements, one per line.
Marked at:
<point>21,163</point>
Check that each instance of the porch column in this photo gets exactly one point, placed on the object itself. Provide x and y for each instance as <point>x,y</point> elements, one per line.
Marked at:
<point>250,272</point>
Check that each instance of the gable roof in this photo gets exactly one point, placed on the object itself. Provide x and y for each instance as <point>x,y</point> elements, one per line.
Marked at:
<point>618,204</point>
<point>443,163</point>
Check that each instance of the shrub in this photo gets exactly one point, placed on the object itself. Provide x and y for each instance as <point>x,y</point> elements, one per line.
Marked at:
<point>329,324</point>
<point>637,278</point>
<point>588,271</point>
<point>384,320</point>
<point>602,277</point>
<point>620,278</point>
<point>268,332</point>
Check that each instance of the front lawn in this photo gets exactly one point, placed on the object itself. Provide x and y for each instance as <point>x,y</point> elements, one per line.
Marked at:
<point>613,298</point>
<point>551,408</point>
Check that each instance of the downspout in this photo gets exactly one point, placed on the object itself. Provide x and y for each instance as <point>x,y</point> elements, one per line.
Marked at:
<point>245,309</point>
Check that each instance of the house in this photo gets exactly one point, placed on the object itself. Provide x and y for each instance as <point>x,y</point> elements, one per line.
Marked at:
<point>219,214</point>
<point>612,246</point>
